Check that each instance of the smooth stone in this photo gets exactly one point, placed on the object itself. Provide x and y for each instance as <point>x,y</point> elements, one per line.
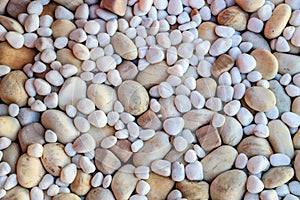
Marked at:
<point>288,63</point>
<point>218,161</point>
<point>70,4</point>
<point>100,193</point>
<point>283,101</point>
<point>161,167</point>
<point>278,21</point>
<point>65,56</point>
<point>81,185</point>
<point>29,171</point>
<point>206,31</point>
<point>277,176</point>
<point>229,185</point>
<point>279,159</point>
<point>291,119</point>
<point>257,40</point>
<point>11,24</point>
<point>30,134</point>
<point>254,184</point>
<point>266,63</point>
<point>153,75</point>
<point>252,146</point>
<point>124,178</point>
<point>234,17</point>
<point>149,120</point>
<point>68,173</point>
<point>106,162</point>
<point>15,7</point>
<point>280,138</point>
<point>196,118</point>
<point>68,94</point>
<point>220,46</point>
<point>260,98</point>
<point>17,193</point>
<point>13,149</point>
<point>115,6</point>
<point>103,96</point>
<point>223,64</point>
<point>160,186</point>
<point>208,137</point>
<point>84,143</point>
<point>69,196</point>
<point>10,127</point>
<point>128,70</point>
<point>54,158</point>
<point>155,148</point>
<point>194,190</point>
<point>62,28</point>
<point>122,149</point>
<point>250,6</point>
<point>126,49</point>
<point>297,166</point>
<point>12,88</point>
<point>168,109</point>
<point>173,125</point>
<point>194,171</point>
<point>257,164</point>
<point>61,124</point>
<point>231,132</point>
<point>137,102</point>
<point>207,87</point>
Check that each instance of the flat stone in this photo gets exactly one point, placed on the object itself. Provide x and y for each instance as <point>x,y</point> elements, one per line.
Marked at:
<point>277,176</point>
<point>193,190</point>
<point>11,24</point>
<point>223,64</point>
<point>234,17</point>
<point>206,86</point>
<point>288,63</point>
<point>280,138</point>
<point>84,143</point>
<point>15,7</point>
<point>70,4</point>
<point>266,63</point>
<point>12,88</point>
<point>126,49</point>
<point>218,161</point>
<point>13,149</point>
<point>296,140</point>
<point>252,146</point>
<point>160,186</point>
<point>283,101</point>
<point>62,28</point>
<point>229,185</point>
<point>17,193</point>
<point>122,149</point>
<point>250,6</point>
<point>116,6</point>
<point>149,120</point>
<point>208,137</point>
<point>61,124</point>
<point>196,118</point>
<point>65,56</point>
<point>128,70</point>
<point>9,127</point>
<point>62,196</point>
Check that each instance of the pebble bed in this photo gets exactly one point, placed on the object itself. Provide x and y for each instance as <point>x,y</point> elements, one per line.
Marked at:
<point>150,99</point>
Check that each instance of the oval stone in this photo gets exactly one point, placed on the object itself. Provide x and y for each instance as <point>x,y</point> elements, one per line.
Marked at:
<point>124,46</point>
<point>277,176</point>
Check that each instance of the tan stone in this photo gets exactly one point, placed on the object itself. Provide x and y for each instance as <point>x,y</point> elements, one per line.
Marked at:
<point>16,7</point>
<point>62,28</point>
<point>288,63</point>
<point>149,120</point>
<point>133,96</point>
<point>160,186</point>
<point>266,63</point>
<point>116,6</point>
<point>153,75</point>
<point>278,21</point>
<point>208,137</point>
<point>223,64</point>
<point>81,185</point>
<point>17,193</point>
<point>124,46</point>
<point>260,99</point>
<point>296,140</point>
<point>128,70</point>
<point>12,88</point>
<point>193,190</point>
<point>122,149</point>
<point>277,176</point>
<point>296,106</point>
<point>229,185</point>
<point>54,158</point>
<point>100,133</point>
<point>280,138</point>
<point>13,149</point>
<point>207,87</point>
<point>206,31</point>
<point>297,166</point>
<point>218,161</point>
<point>9,127</point>
<point>196,118</point>
<point>49,9</point>
<point>253,146</point>
<point>63,196</point>
<point>70,4</point>
<point>168,108</point>
<point>65,56</point>
<point>235,17</point>
<point>99,193</point>
<point>250,6</point>
<point>11,24</point>
<point>31,133</point>
<point>30,171</point>
<point>106,161</point>
<point>231,132</point>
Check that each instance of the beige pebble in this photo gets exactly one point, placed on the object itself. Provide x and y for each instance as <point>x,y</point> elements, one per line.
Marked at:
<point>54,158</point>
<point>149,120</point>
<point>260,98</point>
<point>297,166</point>
<point>30,134</point>
<point>68,173</point>
<point>100,193</point>
<point>62,28</point>
<point>160,186</point>
<point>81,52</point>
<point>35,150</point>
<point>229,185</point>
<point>206,86</point>
<point>252,146</point>
<point>278,21</point>
<point>128,70</point>
<point>280,138</point>
<point>103,96</point>
<point>208,137</point>
<point>250,6</point>
<point>193,189</point>
<point>137,102</point>
<point>63,196</point>
<point>155,148</point>
<point>266,63</point>
<point>17,193</point>
<point>11,24</point>
<point>117,6</point>
<point>81,185</point>
<point>218,161</point>
<point>206,31</point>
<point>153,75</point>
<point>277,176</point>
<point>106,161</point>
<point>12,88</point>
<point>124,178</point>
<point>84,143</point>
<point>296,106</point>
<point>65,56</point>
<point>234,17</point>
<point>196,118</point>
<point>126,48</point>
<point>288,63</point>
<point>231,132</point>
<point>29,171</point>
<point>61,124</point>
<point>9,127</point>
<point>122,149</point>
<point>223,63</point>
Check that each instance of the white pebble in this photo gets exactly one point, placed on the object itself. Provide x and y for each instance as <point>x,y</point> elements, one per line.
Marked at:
<point>97,179</point>
<point>113,76</point>
<point>38,106</point>
<point>265,12</point>
<point>182,103</point>
<point>35,150</point>
<point>35,7</point>
<point>279,159</point>
<point>194,171</point>
<point>31,23</point>
<point>261,130</point>
<point>108,142</point>
<point>292,90</point>
<point>245,63</point>
<point>4,168</point>
<point>218,120</point>
<point>107,181</point>
<point>290,197</point>
<point>53,190</point>
<point>190,156</point>
<point>255,25</point>
<point>244,116</point>
<point>254,184</point>
<point>68,70</point>
<point>175,7</point>
<point>10,182</point>
<point>36,193</point>
<point>224,31</point>
<point>180,143</point>
<point>273,113</point>
<point>254,76</point>
<point>197,99</point>
<point>68,173</point>
<point>82,124</point>
<point>241,161</point>
<point>178,172</point>
<point>173,125</point>
<point>154,54</point>
<point>142,172</point>
<point>46,181</point>
<point>220,46</point>
<point>50,136</point>
<point>174,194</point>
<point>137,145</point>
<point>86,165</point>
<point>214,104</point>
<point>291,119</point>
<point>63,13</point>
<point>15,39</point>
<point>13,109</point>
<point>268,195</point>
<point>257,164</point>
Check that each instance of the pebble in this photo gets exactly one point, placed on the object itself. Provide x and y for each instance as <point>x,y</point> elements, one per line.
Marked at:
<point>244,116</point>
<point>257,164</point>
<point>279,159</point>
<point>97,118</point>
<point>81,184</point>
<point>283,101</point>
<point>287,63</point>
<point>84,143</point>
<point>11,24</point>
<point>178,172</point>
<point>142,172</point>
<point>241,161</point>
<point>126,49</point>
<point>230,184</point>
<point>220,46</point>
<point>234,17</point>
<point>118,7</point>
<point>193,189</point>
<point>106,161</point>
<point>194,171</point>
<point>35,150</point>
<point>291,119</point>
<point>283,175</point>
<point>274,27</point>
<point>231,132</point>
<point>17,192</point>
<point>254,184</point>
<point>15,39</point>
<point>175,7</point>
<point>208,137</point>
<point>68,173</point>
<point>99,192</point>
<point>169,127</point>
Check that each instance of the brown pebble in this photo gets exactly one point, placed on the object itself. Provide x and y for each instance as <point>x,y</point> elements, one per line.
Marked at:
<point>81,185</point>
<point>124,46</point>
<point>160,186</point>
<point>3,5</point>
<point>207,87</point>
<point>235,17</point>
<point>106,161</point>
<point>11,24</point>
<point>250,5</point>
<point>122,149</point>
<point>31,133</point>
<point>223,64</point>
<point>297,166</point>
<point>193,189</point>
<point>149,120</point>
<point>206,31</point>
<point>277,176</point>
<point>116,6</point>
<point>49,9</point>
<point>253,146</point>
<point>208,137</point>
<point>9,127</point>
<point>12,88</point>
<point>62,28</point>
<point>296,106</point>
<point>16,7</point>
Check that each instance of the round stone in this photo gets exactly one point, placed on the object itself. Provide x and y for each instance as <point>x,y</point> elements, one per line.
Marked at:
<point>260,98</point>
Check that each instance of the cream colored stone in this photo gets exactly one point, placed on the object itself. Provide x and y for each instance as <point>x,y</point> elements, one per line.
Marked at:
<point>206,86</point>
<point>297,166</point>
<point>100,193</point>
<point>277,176</point>
<point>193,189</point>
<point>208,137</point>
<point>234,17</point>
<point>9,127</point>
<point>252,146</point>
<point>17,193</point>
<point>15,150</point>
<point>288,63</point>
<point>250,6</point>
<point>206,31</point>
<point>106,161</point>
<point>196,118</point>
<point>84,143</point>
<point>116,6</point>
<point>124,46</point>
<point>160,186</point>
<point>81,185</point>
<point>11,24</point>
<point>63,196</point>
<point>231,132</point>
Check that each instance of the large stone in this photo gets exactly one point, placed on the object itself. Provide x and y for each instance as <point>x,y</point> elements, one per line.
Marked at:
<point>160,186</point>
<point>124,46</point>
<point>9,127</point>
<point>277,176</point>
<point>288,63</point>
<point>253,146</point>
<point>193,190</point>
<point>283,101</point>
